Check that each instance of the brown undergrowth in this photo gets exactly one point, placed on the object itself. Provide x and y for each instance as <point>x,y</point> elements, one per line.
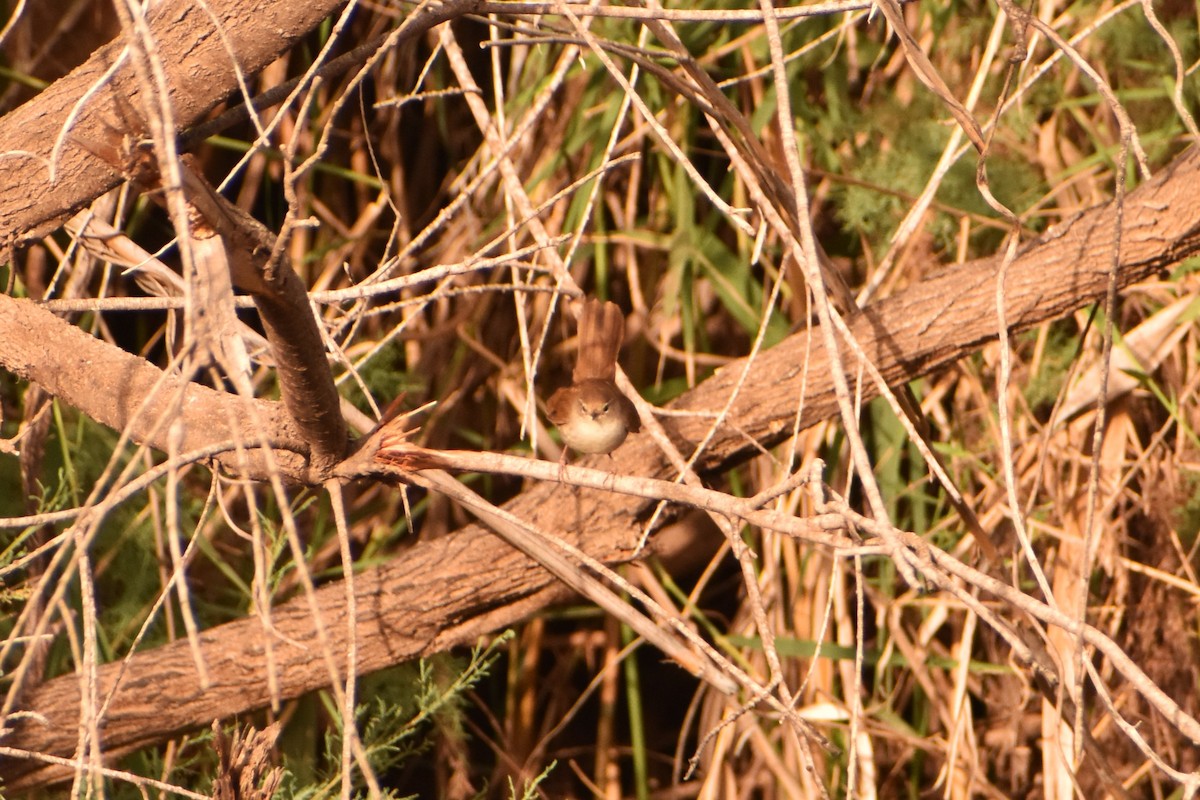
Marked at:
<point>839,594</point>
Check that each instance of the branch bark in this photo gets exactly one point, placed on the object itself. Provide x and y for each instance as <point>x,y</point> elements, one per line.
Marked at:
<point>448,592</point>
<point>195,43</point>
<point>470,583</point>
<point>70,364</point>
<point>258,263</point>
<point>196,50</point>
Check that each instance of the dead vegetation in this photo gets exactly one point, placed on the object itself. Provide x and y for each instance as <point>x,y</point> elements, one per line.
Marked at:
<point>796,581</point>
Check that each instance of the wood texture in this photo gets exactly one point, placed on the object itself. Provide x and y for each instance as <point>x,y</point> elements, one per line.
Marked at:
<point>71,364</point>
<point>200,72</point>
<point>448,592</point>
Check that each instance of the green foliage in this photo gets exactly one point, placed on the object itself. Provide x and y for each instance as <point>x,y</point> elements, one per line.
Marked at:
<point>1138,58</point>
<point>530,790</point>
<point>393,719</point>
<point>1188,515</point>
<point>899,468</point>
<point>871,656</point>
<point>870,135</point>
<point>385,377</point>
<point>1060,351</point>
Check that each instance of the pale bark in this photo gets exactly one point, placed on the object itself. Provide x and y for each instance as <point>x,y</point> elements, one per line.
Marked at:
<point>448,592</point>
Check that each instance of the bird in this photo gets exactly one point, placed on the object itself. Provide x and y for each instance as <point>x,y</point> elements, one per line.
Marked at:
<point>592,414</point>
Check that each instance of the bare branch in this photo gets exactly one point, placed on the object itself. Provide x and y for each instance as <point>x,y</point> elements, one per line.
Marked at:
<point>70,364</point>
<point>482,584</point>
<point>201,74</point>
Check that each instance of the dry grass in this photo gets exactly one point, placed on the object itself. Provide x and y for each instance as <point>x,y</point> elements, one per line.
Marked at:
<point>506,146</point>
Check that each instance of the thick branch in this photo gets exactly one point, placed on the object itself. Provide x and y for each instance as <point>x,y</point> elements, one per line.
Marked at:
<point>952,313</point>
<point>260,266</point>
<point>200,72</point>
<point>139,397</point>
<point>450,591</point>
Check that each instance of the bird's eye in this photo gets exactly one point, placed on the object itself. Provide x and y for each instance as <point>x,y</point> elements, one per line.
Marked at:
<point>604,409</point>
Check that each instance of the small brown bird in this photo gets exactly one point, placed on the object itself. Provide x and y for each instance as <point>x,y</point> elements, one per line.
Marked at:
<point>591,414</point>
